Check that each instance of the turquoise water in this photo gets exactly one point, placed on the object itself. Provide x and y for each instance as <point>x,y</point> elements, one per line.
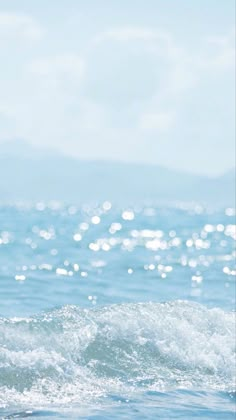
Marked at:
<point>109,312</point>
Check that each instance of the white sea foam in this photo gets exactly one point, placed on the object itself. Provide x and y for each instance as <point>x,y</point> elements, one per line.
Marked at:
<point>77,355</point>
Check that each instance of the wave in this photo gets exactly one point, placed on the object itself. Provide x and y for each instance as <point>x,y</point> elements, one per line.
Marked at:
<point>73,354</point>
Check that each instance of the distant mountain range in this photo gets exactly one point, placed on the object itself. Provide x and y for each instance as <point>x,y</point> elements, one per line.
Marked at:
<point>30,174</point>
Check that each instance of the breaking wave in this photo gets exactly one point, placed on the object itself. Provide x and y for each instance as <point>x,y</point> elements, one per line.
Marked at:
<point>77,355</point>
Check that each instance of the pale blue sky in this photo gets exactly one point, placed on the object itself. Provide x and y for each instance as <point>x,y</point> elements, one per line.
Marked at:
<point>149,81</point>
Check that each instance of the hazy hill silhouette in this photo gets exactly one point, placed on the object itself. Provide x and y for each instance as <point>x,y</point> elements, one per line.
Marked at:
<point>27,173</point>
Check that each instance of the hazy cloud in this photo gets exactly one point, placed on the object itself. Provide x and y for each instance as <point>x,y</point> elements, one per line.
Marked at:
<point>124,87</point>
<point>64,68</point>
<point>14,25</point>
<point>156,121</point>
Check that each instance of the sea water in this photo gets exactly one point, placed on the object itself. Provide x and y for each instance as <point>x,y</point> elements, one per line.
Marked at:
<point>117,312</point>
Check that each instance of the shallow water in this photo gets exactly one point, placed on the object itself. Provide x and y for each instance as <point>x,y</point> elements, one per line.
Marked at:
<point>111,312</point>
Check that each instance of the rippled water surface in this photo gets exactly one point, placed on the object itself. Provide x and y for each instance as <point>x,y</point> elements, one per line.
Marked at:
<point>109,312</point>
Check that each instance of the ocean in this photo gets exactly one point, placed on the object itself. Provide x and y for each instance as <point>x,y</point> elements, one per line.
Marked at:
<point>110,312</point>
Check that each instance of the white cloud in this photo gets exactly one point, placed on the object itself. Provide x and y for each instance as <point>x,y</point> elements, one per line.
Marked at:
<point>19,25</point>
<point>224,56</point>
<point>156,121</point>
<point>130,33</point>
<point>154,40</point>
<point>157,41</point>
<point>62,66</point>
